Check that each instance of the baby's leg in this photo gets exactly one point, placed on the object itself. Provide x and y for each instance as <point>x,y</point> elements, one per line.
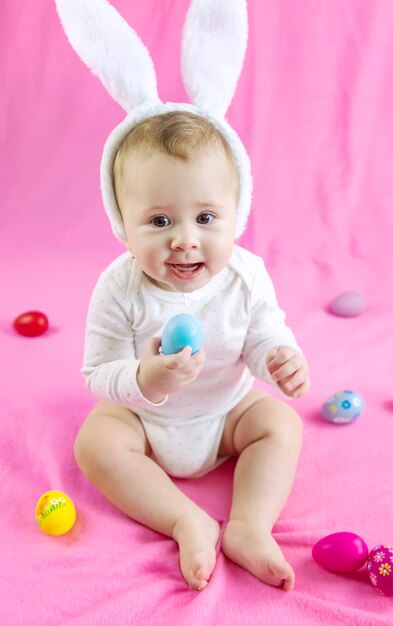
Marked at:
<point>266,434</point>
<point>112,451</point>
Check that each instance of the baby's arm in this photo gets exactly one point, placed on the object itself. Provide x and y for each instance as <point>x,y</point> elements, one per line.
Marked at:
<point>110,366</point>
<point>271,350</point>
<point>109,362</point>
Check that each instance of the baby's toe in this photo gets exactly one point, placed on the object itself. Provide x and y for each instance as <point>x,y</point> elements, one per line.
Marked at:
<point>283,573</point>
<point>199,576</point>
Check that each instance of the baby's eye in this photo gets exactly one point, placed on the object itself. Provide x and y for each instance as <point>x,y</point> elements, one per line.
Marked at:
<point>205,218</point>
<point>160,221</point>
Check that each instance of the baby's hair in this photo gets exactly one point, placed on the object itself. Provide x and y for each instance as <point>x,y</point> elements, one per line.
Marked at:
<point>177,133</point>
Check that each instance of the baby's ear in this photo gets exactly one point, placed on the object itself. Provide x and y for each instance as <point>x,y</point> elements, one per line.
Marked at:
<point>213,49</point>
<point>111,49</point>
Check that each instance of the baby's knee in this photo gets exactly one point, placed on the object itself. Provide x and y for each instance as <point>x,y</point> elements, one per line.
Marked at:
<point>91,450</point>
<point>289,424</point>
<point>85,452</point>
<point>108,436</point>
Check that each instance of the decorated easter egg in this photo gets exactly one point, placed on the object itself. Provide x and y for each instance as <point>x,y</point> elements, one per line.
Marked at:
<point>348,304</point>
<point>380,569</point>
<point>55,513</point>
<point>31,323</point>
<point>343,407</point>
<point>182,330</point>
<point>340,552</point>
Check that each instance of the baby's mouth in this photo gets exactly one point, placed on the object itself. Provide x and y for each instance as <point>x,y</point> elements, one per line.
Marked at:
<point>186,267</point>
<point>186,270</point>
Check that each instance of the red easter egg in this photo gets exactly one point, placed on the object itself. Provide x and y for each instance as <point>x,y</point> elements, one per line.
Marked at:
<point>31,323</point>
<point>380,569</point>
<point>340,552</point>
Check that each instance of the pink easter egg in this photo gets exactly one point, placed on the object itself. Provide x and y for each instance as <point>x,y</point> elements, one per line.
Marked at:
<point>380,569</point>
<point>348,304</point>
<point>340,552</point>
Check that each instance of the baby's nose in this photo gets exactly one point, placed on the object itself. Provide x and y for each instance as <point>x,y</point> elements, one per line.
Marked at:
<point>185,238</point>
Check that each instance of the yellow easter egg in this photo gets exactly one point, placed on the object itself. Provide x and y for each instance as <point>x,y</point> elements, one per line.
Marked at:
<point>55,513</point>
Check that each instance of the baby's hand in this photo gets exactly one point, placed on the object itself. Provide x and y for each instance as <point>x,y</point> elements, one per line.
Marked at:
<point>161,374</point>
<point>289,370</point>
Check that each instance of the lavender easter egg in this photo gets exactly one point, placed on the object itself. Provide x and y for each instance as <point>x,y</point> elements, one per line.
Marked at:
<point>340,552</point>
<point>380,569</point>
<point>348,304</point>
<point>343,407</point>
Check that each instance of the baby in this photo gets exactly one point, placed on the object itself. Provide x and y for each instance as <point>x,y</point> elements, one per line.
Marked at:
<point>177,185</point>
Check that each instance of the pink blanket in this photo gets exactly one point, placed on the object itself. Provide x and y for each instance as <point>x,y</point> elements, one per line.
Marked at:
<point>314,108</point>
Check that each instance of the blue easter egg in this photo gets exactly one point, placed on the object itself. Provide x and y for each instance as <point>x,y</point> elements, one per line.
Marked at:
<point>343,407</point>
<point>182,330</point>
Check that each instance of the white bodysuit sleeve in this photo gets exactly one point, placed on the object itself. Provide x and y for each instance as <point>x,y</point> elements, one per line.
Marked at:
<point>267,327</point>
<point>109,364</point>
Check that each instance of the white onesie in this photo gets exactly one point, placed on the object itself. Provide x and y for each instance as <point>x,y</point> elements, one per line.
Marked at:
<point>241,321</point>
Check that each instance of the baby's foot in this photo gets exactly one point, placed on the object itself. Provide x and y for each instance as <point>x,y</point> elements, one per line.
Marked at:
<point>197,535</point>
<point>257,552</point>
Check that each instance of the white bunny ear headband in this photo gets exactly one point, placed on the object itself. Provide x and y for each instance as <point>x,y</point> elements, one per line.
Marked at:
<point>213,48</point>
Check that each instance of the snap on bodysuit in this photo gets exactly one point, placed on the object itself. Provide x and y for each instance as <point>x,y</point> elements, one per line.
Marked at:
<point>241,322</point>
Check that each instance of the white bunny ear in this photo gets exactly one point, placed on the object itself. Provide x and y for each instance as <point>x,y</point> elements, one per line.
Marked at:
<point>111,49</point>
<point>214,45</point>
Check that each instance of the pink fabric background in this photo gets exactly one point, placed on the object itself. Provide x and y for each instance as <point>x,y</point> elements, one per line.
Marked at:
<point>314,108</point>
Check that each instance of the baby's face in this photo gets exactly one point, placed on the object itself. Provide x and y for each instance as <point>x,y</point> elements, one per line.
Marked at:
<point>179,216</point>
